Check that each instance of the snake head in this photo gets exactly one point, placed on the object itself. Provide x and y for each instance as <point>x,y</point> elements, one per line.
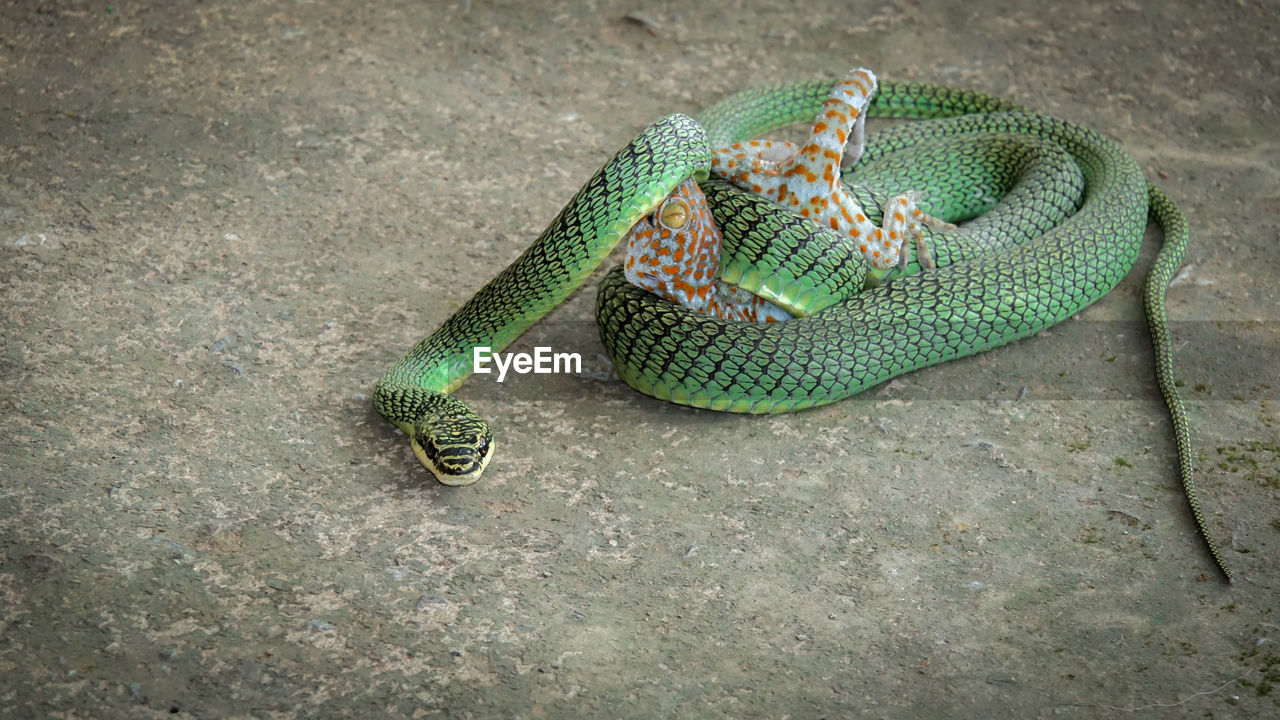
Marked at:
<point>455,447</point>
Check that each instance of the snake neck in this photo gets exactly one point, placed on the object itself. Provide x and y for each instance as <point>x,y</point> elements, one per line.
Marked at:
<point>627,187</point>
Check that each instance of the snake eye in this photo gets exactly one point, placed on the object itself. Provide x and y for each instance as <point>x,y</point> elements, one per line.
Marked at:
<point>674,214</point>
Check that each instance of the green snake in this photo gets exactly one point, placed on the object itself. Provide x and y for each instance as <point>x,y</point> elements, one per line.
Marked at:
<point>1020,269</point>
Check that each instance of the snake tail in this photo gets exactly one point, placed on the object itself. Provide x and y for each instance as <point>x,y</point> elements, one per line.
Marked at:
<point>449,438</point>
<point>1173,225</point>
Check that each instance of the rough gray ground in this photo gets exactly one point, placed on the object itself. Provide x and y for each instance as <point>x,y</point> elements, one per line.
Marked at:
<point>221,221</point>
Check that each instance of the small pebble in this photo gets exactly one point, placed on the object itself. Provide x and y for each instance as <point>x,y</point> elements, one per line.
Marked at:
<point>644,20</point>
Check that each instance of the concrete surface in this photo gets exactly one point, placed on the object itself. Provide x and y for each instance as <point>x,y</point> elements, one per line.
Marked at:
<point>221,221</point>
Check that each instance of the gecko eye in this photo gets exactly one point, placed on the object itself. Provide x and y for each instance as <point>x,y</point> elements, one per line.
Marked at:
<point>674,214</point>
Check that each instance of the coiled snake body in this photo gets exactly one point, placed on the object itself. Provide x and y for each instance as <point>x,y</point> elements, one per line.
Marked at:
<point>1046,250</point>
